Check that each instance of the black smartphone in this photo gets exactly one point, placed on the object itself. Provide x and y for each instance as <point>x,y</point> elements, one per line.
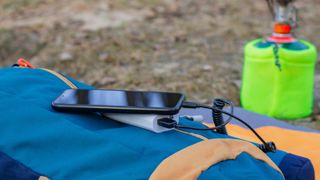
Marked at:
<point>119,101</point>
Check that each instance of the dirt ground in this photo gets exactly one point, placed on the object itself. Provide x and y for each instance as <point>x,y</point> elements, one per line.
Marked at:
<point>190,46</point>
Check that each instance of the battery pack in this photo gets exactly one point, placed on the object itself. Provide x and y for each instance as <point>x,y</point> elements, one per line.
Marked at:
<point>145,121</point>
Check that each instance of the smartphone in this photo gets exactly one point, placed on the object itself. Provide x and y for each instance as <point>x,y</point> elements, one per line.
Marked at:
<point>119,101</point>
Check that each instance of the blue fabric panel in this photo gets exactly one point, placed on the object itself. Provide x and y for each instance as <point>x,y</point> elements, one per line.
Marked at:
<point>297,167</point>
<point>255,169</point>
<point>11,169</point>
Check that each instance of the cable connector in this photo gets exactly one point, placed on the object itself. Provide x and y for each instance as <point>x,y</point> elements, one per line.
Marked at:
<point>217,115</point>
<point>197,118</point>
<point>268,147</point>
<point>167,123</point>
<point>190,105</point>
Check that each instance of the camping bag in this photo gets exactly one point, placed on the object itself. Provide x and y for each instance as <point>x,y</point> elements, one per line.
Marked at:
<point>38,142</point>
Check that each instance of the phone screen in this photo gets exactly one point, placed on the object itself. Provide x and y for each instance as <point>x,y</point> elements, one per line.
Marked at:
<point>119,98</point>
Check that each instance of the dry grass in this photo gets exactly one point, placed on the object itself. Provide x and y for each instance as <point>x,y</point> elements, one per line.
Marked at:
<point>190,46</point>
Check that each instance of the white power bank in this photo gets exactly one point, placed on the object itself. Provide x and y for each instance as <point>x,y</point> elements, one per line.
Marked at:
<point>145,121</point>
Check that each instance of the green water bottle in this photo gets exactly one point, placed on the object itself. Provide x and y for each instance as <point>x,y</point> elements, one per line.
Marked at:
<point>278,75</point>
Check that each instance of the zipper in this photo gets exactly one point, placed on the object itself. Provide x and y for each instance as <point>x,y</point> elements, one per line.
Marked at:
<point>22,63</point>
<point>61,77</point>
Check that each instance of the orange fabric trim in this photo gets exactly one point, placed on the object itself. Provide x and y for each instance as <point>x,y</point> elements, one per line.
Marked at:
<point>43,178</point>
<point>301,143</point>
<point>190,162</point>
<point>65,80</point>
<point>192,134</point>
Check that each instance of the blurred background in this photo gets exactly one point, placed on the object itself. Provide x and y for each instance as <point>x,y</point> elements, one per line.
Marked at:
<point>195,47</point>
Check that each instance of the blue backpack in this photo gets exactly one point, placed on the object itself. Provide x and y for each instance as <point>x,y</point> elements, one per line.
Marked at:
<point>38,142</point>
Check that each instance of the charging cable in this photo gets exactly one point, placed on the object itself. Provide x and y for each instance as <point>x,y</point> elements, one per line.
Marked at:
<point>170,123</point>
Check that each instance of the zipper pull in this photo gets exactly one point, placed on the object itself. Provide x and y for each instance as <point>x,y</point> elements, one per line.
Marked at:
<point>23,63</point>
